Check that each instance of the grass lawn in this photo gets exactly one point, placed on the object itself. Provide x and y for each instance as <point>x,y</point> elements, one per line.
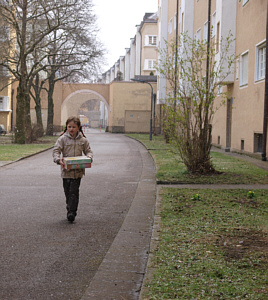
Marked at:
<point>212,244</point>
<point>211,247</point>
<point>170,167</point>
<point>10,151</point>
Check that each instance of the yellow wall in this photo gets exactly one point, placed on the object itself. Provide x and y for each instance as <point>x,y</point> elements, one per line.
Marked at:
<point>5,116</point>
<point>128,102</point>
<point>133,99</point>
<point>249,100</point>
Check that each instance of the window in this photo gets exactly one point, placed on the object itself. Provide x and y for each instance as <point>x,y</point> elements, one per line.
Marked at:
<point>219,90</point>
<point>242,145</point>
<point>260,61</point>
<point>175,22</point>
<point>150,40</point>
<point>182,20</point>
<point>244,69</point>
<point>258,140</point>
<point>170,27</point>
<point>205,35</point>
<point>214,24</point>
<point>198,35</point>
<point>4,101</point>
<point>150,64</point>
<point>245,1</point>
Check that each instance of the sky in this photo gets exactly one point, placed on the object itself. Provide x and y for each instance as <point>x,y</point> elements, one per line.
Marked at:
<point>117,20</point>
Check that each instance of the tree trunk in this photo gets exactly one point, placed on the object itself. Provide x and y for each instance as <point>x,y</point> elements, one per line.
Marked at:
<point>23,117</point>
<point>39,121</point>
<point>50,113</point>
<point>38,110</point>
<point>28,124</point>
<point>20,117</point>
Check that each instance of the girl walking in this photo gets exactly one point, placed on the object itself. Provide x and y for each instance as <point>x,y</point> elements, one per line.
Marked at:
<point>72,142</point>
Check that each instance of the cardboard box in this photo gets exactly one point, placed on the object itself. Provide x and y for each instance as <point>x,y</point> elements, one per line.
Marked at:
<point>77,162</point>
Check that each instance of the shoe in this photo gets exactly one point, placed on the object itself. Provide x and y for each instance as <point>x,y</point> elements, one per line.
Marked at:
<point>70,217</point>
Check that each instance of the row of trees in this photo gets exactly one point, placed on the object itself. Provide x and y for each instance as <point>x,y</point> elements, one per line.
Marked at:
<point>44,41</point>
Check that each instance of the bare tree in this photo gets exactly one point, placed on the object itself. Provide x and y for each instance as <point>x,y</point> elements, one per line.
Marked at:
<point>190,104</point>
<point>75,52</point>
<point>32,25</point>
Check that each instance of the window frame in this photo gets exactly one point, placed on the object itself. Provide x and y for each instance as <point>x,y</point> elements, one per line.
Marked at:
<point>170,26</point>
<point>205,33</point>
<point>147,40</point>
<point>198,34</point>
<point>175,22</point>
<point>260,46</point>
<point>214,15</point>
<point>182,22</point>
<point>2,103</point>
<point>150,64</point>
<point>242,60</point>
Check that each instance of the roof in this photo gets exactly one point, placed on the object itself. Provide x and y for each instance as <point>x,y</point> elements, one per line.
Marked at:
<point>147,78</point>
<point>148,18</point>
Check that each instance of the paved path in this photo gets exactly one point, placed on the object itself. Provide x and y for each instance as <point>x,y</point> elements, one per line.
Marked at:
<point>103,254</point>
<point>257,162</point>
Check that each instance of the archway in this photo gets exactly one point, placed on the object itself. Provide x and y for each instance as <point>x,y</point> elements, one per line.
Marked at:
<point>74,102</point>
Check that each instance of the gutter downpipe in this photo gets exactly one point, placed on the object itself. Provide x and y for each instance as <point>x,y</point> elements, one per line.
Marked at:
<point>176,54</point>
<point>208,43</point>
<point>265,115</point>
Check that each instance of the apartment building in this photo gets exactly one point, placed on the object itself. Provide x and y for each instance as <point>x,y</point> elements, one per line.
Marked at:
<point>141,56</point>
<point>237,125</point>
<point>249,84</point>
<point>5,87</point>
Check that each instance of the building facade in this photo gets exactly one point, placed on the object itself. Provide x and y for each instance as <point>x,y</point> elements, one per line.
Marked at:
<point>238,124</point>
<point>6,104</point>
<point>141,56</point>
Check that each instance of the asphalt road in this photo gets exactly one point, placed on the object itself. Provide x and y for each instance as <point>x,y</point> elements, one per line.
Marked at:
<point>42,256</point>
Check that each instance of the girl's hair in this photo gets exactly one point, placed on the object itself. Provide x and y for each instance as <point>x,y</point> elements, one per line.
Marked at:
<point>77,121</point>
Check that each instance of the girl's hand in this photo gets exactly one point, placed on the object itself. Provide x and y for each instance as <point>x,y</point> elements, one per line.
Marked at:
<point>62,163</point>
<point>90,157</point>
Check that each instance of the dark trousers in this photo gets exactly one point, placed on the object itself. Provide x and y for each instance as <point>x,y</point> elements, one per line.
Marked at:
<point>71,190</point>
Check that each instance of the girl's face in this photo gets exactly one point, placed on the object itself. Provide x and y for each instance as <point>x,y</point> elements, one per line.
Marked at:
<point>72,128</point>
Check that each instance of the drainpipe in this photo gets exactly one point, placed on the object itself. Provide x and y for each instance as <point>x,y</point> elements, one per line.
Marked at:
<point>265,116</point>
<point>141,37</point>
<point>12,106</point>
<point>176,53</point>
<point>208,44</point>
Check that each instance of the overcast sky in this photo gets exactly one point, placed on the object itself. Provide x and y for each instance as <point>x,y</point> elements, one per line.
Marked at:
<point>117,20</point>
